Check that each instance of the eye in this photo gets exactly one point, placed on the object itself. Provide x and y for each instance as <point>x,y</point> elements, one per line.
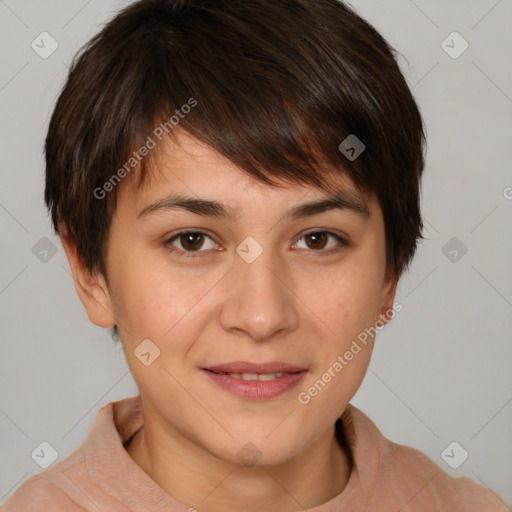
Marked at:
<point>318,240</point>
<point>190,241</point>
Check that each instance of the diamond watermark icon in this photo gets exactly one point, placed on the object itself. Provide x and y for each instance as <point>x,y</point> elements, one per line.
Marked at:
<point>454,45</point>
<point>44,45</point>
<point>44,455</point>
<point>146,352</point>
<point>249,455</point>
<point>352,147</point>
<point>454,249</point>
<point>44,250</point>
<point>249,249</point>
<point>454,455</point>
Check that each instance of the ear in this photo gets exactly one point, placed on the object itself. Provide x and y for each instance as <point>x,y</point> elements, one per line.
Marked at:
<point>387,297</point>
<point>91,288</point>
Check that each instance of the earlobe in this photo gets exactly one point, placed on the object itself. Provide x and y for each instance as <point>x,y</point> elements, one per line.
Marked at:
<point>91,287</point>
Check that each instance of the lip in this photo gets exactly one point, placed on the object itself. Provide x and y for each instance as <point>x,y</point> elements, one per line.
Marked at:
<point>246,367</point>
<point>256,389</point>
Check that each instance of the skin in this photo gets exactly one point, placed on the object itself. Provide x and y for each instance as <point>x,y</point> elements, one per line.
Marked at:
<point>295,303</point>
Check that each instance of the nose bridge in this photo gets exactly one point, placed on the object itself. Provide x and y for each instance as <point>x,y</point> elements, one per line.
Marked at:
<point>260,304</point>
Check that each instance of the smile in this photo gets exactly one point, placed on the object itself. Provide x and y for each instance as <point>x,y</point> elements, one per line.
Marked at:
<point>255,386</point>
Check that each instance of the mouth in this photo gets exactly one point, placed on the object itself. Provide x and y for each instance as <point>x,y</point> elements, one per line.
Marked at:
<point>256,381</point>
<point>253,376</point>
<point>244,367</point>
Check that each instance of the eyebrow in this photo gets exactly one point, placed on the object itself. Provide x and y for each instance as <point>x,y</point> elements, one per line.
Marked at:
<point>341,200</point>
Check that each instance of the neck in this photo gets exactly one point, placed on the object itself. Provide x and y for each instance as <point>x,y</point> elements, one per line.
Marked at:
<point>198,479</point>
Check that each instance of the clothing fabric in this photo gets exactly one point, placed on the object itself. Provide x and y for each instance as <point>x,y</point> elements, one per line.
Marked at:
<point>386,477</point>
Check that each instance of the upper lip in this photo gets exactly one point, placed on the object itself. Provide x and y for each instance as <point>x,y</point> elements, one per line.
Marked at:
<point>246,367</point>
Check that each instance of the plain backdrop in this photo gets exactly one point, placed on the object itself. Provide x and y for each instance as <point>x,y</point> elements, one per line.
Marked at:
<point>441,370</point>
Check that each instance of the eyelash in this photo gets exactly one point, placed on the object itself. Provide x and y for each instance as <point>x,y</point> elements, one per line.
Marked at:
<point>197,254</point>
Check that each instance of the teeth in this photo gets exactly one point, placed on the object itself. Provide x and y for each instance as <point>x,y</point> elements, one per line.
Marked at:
<point>269,376</point>
<point>255,376</point>
<point>249,376</point>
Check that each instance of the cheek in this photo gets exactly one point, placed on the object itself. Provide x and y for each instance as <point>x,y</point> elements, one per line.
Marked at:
<point>348,301</point>
<point>156,302</point>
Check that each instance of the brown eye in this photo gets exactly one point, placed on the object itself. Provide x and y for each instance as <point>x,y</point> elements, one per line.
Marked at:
<point>191,241</point>
<point>319,241</point>
<point>188,242</point>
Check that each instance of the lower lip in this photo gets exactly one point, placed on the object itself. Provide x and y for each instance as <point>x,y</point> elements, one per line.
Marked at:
<point>257,389</point>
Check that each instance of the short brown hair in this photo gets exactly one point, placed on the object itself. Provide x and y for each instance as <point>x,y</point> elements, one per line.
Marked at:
<point>278,86</point>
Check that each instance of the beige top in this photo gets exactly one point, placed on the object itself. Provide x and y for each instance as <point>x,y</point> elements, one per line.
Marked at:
<point>100,475</point>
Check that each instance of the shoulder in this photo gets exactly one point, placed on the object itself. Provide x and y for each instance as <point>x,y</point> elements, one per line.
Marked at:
<point>38,493</point>
<point>396,475</point>
<point>412,469</point>
<point>82,480</point>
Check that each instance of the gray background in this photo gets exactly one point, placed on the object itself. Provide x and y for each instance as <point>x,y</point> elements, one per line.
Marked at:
<point>441,370</point>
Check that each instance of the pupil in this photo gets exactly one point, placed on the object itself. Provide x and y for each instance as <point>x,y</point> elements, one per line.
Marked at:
<point>317,239</point>
<point>191,240</point>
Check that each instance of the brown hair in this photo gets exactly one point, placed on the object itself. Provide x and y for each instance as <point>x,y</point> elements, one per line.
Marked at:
<point>278,85</point>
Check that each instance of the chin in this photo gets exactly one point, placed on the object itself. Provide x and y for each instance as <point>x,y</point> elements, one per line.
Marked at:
<point>252,450</point>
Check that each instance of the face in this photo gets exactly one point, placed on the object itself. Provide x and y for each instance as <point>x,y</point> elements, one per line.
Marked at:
<point>237,301</point>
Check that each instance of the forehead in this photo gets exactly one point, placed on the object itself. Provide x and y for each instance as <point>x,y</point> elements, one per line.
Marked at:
<point>186,168</point>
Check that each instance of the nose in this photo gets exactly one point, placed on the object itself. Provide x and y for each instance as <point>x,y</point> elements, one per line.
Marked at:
<point>260,303</point>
